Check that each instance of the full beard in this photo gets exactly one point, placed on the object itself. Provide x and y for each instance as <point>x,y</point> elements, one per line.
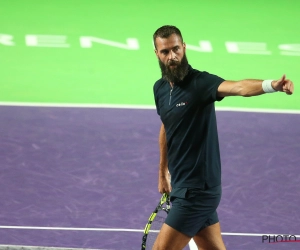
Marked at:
<point>175,74</point>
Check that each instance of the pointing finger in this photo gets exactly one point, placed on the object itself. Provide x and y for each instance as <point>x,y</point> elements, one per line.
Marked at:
<point>282,79</point>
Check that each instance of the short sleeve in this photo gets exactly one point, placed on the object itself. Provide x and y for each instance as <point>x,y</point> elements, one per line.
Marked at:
<point>206,85</point>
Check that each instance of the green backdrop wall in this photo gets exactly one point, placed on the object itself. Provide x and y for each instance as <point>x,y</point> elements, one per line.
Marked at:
<point>101,52</point>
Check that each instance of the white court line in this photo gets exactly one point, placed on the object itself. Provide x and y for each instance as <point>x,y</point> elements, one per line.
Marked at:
<point>121,230</point>
<point>75,105</point>
<point>127,106</point>
<point>19,247</point>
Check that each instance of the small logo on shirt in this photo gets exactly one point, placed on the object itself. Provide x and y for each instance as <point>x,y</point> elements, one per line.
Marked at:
<point>181,104</point>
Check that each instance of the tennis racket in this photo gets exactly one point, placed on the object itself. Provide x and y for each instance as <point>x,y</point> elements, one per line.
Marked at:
<point>155,222</point>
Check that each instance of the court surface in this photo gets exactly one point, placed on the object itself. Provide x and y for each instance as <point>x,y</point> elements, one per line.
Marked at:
<point>87,177</point>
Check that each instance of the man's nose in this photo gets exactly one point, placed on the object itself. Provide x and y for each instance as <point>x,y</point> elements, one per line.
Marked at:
<point>172,55</point>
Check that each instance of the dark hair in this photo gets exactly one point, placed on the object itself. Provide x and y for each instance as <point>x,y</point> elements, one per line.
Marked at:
<point>166,31</point>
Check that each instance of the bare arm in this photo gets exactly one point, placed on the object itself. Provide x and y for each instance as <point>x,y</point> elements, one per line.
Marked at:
<point>163,175</point>
<point>252,87</point>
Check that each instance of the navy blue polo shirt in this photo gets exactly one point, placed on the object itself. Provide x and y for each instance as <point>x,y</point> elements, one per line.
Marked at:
<point>188,114</point>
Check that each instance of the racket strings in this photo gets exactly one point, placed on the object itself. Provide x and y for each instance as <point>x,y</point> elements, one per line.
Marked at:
<point>156,220</point>
<point>155,228</point>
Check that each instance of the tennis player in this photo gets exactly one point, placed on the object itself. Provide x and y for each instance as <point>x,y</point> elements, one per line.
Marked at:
<point>188,139</point>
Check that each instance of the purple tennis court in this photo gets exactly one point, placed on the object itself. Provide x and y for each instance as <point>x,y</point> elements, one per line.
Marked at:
<point>87,177</point>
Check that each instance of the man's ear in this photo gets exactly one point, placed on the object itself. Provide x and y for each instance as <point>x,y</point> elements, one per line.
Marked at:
<point>184,46</point>
<point>156,52</point>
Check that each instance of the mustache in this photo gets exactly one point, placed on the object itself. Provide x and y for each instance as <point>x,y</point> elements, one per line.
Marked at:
<point>173,63</point>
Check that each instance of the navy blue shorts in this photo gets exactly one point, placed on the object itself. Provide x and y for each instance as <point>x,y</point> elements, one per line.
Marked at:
<point>193,209</point>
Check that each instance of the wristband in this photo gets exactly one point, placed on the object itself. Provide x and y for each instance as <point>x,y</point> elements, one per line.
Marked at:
<point>267,86</point>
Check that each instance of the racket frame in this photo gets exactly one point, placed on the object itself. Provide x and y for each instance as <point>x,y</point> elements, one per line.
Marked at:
<point>164,200</point>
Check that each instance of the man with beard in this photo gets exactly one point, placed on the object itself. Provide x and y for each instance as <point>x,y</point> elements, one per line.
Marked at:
<point>188,139</point>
